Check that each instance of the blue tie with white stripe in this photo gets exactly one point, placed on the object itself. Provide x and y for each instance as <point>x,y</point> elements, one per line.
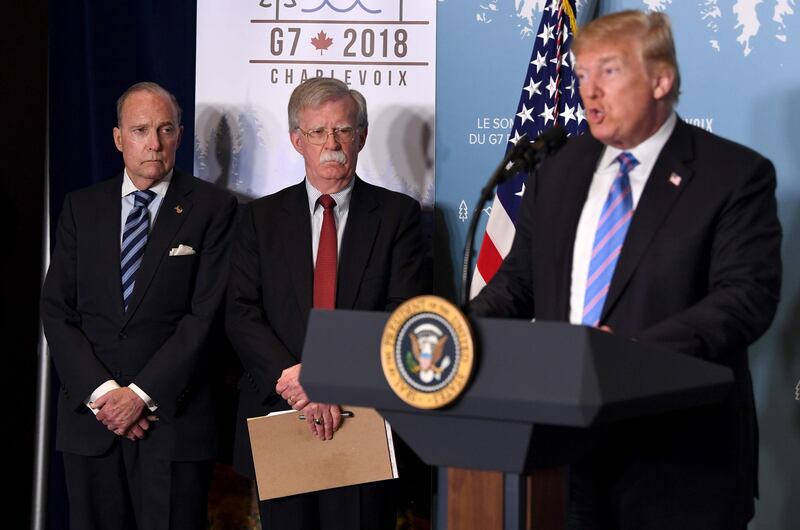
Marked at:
<point>611,229</point>
<point>134,239</point>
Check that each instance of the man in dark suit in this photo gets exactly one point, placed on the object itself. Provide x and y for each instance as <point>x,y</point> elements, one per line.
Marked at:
<point>651,229</point>
<point>331,241</point>
<point>137,275</point>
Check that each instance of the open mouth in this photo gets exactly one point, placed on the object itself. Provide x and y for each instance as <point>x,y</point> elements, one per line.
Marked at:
<point>595,115</point>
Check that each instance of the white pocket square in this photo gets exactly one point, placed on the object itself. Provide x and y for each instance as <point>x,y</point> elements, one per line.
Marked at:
<point>181,250</point>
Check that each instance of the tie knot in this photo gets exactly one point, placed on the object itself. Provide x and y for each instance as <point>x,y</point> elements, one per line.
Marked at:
<point>143,197</point>
<point>627,162</point>
<point>326,201</point>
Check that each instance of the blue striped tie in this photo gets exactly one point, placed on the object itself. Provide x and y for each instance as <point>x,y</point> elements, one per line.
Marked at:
<point>611,229</point>
<point>134,239</point>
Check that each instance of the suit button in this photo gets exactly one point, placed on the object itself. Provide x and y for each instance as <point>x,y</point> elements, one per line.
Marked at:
<point>123,335</point>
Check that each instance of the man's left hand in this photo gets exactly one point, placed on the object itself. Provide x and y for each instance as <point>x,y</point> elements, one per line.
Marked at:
<point>119,409</point>
<point>323,419</point>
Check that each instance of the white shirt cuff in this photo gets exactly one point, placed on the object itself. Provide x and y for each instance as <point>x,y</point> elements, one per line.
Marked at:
<point>99,391</point>
<point>142,394</point>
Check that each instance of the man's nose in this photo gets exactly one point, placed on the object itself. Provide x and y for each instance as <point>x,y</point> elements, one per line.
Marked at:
<point>588,88</point>
<point>153,141</point>
<point>331,142</point>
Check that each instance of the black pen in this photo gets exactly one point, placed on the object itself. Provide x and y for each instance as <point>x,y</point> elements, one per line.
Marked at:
<point>344,414</point>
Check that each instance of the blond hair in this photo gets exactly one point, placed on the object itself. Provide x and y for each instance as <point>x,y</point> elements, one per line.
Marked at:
<point>653,30</point>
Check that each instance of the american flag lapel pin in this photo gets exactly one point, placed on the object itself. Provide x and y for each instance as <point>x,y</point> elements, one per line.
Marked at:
<point>675,179</point>
<point>179,209</point>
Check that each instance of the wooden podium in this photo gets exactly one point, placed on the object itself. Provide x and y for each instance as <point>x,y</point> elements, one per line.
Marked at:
<point>536,391</point>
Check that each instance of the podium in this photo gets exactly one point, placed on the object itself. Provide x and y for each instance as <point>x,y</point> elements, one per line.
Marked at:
<point>536,391</point>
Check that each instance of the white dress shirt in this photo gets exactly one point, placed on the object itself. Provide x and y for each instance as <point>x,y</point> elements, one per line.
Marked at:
<point>646,153</point>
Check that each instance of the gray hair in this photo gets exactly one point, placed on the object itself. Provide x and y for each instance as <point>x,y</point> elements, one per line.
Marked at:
<point>153,88</point>
<point>319,90</point>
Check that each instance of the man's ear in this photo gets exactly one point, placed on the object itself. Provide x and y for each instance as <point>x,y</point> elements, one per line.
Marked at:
<point>118,139</point>
<point>297,140</point>
<point>363,138</point>
<point>663,79</point>
<point>180,136</point>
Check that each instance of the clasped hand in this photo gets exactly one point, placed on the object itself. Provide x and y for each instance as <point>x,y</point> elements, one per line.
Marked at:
<point>323,418</point>
<point>122,412</point>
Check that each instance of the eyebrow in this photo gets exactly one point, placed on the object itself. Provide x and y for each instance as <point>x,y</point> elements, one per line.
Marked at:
<point>602,61</point>
<point>340,126</point>
<point>158,125</point>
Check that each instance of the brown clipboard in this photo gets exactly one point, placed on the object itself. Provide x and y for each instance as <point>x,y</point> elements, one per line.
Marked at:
<point>290,460</point>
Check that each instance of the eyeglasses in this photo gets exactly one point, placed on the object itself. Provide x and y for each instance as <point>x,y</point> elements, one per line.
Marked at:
<point>343,135</point>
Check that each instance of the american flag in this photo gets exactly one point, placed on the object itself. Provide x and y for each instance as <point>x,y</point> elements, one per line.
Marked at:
<point>549,97</point>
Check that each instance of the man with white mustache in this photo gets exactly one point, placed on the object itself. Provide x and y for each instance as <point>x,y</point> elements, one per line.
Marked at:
<point>331,241</point>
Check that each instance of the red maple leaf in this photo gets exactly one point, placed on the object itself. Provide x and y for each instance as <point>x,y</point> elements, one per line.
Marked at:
<point>321,41</point>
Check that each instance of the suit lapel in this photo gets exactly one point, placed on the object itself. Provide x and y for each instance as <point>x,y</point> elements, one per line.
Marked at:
<point>173,212</point>
<point>357,241</point>
<point>576,183</point>
<point>109,230</point>
<point>297,246</point>
<point>657,199</point>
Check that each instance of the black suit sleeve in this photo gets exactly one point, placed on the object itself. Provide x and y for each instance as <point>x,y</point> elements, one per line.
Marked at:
<point>406,277</point>
<point>169,373</point>
<point>262,353</point>
<point>744,275</point>
<point>80,371</point>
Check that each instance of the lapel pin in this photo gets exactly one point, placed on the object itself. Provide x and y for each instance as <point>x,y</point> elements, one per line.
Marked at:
<point>675,179</point>
<point>179,208</point>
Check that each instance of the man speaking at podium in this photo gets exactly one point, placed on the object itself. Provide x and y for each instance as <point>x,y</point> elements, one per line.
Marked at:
<point>652,229</point>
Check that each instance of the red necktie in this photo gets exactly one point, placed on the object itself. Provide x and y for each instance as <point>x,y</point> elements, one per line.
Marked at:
<point>325,269</point>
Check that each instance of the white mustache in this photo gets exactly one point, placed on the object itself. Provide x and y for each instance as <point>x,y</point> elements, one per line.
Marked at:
<point>332,156</point>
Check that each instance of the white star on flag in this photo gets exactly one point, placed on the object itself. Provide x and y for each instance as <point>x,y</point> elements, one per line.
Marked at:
<point>532,88</point>
<point>552,87</point>
<point>564,60</point>
<point>568,114</point>
<point>525,114</point>
<point>521,192</point>
<point>546,34</point>
<point>540,61</point>
<point>548,113</point>
<point>571,89</point>
<point>579,114</point>
<point>514,139</point>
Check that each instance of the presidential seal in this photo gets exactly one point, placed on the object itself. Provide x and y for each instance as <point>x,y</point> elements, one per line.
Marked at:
<point>427,352</point>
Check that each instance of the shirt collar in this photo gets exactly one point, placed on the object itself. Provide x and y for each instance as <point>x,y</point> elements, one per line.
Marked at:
<point>159,189</point>
<point>647,151</point>
<point>342,197</point>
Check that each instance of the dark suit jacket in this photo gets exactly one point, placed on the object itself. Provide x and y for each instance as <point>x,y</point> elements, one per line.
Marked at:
<point>159,342</point>
<point>699,273</point>
<point>271,283</point>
